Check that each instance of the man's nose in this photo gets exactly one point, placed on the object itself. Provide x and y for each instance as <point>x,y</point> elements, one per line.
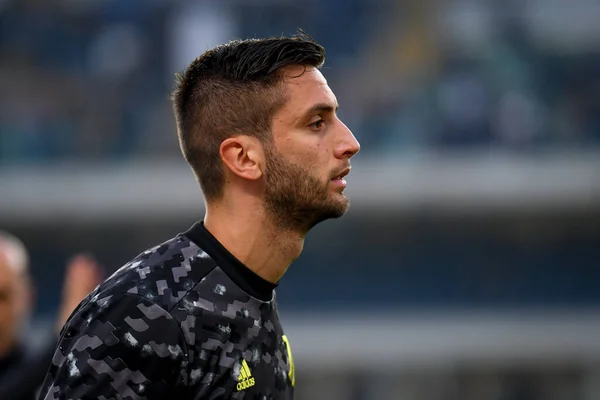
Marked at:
<point>348,145</point>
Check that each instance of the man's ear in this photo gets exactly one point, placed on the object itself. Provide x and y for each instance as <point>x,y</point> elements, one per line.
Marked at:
<point>243,156</point>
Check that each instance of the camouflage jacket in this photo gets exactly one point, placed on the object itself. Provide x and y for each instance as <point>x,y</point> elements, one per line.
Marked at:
<point>183,320</point>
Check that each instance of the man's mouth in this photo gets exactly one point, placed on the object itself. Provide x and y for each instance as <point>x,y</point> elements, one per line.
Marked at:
<point>341,176</point>
<point>339,180</point>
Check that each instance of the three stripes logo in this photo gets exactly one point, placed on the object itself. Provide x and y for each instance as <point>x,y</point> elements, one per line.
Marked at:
<point>288,348</point>
<point>245,379</point>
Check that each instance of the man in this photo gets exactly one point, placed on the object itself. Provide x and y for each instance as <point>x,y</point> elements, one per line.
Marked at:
<point>195,317</point>
<point>22,369</point>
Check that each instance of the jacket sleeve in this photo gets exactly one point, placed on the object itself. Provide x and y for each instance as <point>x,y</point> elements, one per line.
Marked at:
<point>126,348</point>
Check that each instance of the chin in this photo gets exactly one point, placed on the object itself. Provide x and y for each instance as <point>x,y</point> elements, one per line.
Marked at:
<point>340,198</point>
<point>340,208</point>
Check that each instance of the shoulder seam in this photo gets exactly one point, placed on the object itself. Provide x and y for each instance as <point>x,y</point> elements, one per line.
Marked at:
<point>208,271</point>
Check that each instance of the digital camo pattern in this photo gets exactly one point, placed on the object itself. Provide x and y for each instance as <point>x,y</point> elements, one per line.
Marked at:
<point>171,325</point>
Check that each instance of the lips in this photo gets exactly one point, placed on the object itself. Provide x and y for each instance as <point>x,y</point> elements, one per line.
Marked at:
<point>341,174</point>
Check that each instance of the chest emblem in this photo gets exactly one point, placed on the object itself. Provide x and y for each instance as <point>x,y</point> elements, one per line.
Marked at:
<point>245,378</point>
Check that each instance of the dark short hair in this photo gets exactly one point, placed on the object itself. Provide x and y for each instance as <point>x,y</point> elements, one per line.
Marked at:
<point>234,89</point>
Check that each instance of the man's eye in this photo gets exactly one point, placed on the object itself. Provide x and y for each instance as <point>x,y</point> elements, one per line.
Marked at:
<point>317,124</point>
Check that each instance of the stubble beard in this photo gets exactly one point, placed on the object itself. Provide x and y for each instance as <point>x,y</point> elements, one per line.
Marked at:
<point>296,200</point>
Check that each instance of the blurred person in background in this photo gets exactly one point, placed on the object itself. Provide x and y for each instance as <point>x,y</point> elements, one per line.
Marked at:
<point>195,317</point>
<point>22,368</point>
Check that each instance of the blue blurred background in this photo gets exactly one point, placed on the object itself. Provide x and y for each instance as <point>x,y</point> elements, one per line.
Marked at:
<point>469,265</point>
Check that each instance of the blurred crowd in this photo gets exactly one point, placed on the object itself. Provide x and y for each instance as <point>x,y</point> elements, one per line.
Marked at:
<point>23,365</point>
<point>89,80</point>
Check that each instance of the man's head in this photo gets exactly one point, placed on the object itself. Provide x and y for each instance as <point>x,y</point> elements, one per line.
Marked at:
<point>257,117</point>
<point>15,292</point>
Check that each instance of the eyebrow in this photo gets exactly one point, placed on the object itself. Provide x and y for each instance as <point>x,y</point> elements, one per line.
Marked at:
<point>321,107</point>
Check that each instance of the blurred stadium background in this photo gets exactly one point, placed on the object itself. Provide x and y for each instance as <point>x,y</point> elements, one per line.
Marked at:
<point>469,266</point>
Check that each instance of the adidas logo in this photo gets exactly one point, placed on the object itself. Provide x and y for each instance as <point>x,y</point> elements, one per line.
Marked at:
<point>245,379</point>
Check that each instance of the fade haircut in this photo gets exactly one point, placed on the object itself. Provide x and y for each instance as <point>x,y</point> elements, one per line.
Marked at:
<point>234,89</point>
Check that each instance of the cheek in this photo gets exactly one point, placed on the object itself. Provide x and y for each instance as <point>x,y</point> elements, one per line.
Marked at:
<point>312,155</point>
<point>317,157</point>
<point>322,161</point>
<point>7,313</point>
<point>11,308</point>
<point>314,166</point>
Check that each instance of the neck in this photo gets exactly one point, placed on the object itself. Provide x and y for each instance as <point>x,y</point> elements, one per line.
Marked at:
<point>248,234</point>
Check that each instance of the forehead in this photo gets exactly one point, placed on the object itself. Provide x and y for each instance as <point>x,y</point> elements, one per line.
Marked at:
<point>300,76</point>
<point>305,87</point>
